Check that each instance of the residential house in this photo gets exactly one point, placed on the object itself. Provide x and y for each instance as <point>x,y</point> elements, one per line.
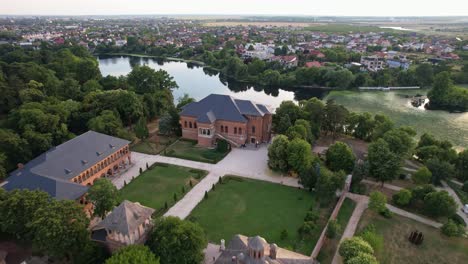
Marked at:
<point>288,61</point>
<point>373,63</point>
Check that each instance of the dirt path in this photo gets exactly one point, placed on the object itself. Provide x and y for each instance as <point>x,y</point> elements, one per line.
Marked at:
<point>362,202</point>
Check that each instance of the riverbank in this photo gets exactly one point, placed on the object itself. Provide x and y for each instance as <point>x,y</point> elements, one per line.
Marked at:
<point>199,63</point>
<point>397,106</point>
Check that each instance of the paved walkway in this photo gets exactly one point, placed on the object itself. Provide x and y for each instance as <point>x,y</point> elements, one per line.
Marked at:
<point>460,205</point>
<point>248,163</point>
<point>362,203</point>
<point>212,252</point>
<point>386,185</point>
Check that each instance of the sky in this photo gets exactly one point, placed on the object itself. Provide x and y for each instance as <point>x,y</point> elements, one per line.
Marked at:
<point>231,7</point>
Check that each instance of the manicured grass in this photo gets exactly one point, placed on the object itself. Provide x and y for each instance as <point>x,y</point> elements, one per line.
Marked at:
<point>251,207</point>
<point>188,149</point>
<point>328,249</point>
<point>436,248</point>
<point>156,186</point>
<point>149,146</point>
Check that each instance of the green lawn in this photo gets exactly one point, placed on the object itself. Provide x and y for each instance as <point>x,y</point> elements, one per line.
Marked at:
<point>251,207</point>
<point>328,249</point>
<point>150,147</point>
<point>436,248</point>
<point>188,149</point>
<point>158,184</point>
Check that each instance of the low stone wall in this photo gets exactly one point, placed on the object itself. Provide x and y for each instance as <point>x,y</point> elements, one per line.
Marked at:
<point>333,216</point>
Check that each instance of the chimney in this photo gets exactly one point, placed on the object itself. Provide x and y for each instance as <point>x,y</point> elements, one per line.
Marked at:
<point>20,166</point>
<point>273,250</point>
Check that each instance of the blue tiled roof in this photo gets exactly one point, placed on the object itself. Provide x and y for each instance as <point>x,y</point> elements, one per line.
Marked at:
<point>223,107</point>
<point>53,170</point>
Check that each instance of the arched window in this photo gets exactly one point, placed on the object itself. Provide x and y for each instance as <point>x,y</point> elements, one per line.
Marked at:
<point>190,124</point>
<point>226,129</point>
<point>185,124</point>
<point>222,129</point>
<point>253,129</point>
<point>240,130</point>
<point>195,124</point>
<point>208,132</point>
<point>235,130</point>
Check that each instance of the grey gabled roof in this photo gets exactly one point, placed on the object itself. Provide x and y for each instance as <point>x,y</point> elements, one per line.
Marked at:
<point>223,107</point>
<point>53,170</point>
<point>125,218</point>
<point>69,159</point>
<point>59,189</point>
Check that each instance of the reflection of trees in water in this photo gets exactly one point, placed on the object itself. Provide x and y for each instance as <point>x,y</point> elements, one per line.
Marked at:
<point>210,72</point>
<point>134,61</point>
<point>299,93</point>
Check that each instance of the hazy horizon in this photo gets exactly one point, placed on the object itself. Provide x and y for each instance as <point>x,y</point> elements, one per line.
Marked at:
<point>357,8</point>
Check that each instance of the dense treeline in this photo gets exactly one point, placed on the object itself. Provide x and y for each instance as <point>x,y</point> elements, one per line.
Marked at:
<point>48,96</point>
<point>332,75</point>
<point>299,125</point>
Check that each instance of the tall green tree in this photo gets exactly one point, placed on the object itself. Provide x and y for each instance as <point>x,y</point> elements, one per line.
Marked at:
<point>383,163</point>
<point>18,209</point>
<point>104,196</point>
<point>133,254</point>
<point>141,129</point>
<point>299,155</point>
<point>278,154</point>
<point>334,118</point>
<point>60,229</point>
<point>177,241</point>
<point>340,156</point>
<point>462,165</point>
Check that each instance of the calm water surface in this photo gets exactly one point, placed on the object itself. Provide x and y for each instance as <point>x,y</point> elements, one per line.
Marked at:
<point>199,82</point>
<point>196,81</point>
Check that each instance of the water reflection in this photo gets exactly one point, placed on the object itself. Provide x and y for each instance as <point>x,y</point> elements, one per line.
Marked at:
<point>199,81</point>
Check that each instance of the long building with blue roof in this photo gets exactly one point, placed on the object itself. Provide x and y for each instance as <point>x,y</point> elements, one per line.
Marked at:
<point>67,170</point>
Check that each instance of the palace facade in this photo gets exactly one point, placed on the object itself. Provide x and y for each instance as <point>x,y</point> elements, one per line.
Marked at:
<point>224,117</point>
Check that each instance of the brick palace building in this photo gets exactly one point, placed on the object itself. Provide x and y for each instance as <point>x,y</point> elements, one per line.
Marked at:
<point>66,171</point>
<point>224,117</point>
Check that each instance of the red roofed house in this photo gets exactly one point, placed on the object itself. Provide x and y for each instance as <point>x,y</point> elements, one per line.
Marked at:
<point>311,64</point>
<point>288,61</point>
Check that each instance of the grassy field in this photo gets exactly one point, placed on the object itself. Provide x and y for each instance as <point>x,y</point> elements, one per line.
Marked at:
<point>343,28</point>
<point>436,247</point>
<point>328,250</point>
<point>153,146</point>
<point>187,149</point>
<point>250,207</point>
<point>158,185</point>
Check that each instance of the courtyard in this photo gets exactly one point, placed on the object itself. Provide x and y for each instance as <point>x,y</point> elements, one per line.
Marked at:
<point>188,149</point>
<point>436,248</point>
<point>251,207</point>
<point>157,185</point>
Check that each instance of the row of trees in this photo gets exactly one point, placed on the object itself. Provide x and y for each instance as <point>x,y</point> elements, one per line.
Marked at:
<point>49,95</point>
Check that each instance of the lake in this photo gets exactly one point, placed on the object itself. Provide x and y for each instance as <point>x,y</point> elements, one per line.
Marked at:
<point>396,105</point>
<point>199,82</point>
